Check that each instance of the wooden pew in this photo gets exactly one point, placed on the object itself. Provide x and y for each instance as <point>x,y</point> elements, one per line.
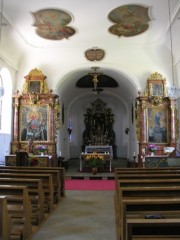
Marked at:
<point>140,178</point>
<point>144,195</point>
<point>46,182</point>
<point>58,178</point>
<point>60,169</point>
<point>136,202</point>
<point>19,209</point>
<point>36,195</point>
<point>147,176</point>
<point>5,221</point>
<point>165,226</point>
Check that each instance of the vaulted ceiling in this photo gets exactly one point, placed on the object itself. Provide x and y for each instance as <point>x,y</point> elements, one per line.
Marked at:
<point>86,24</point>
<point>89,19</point>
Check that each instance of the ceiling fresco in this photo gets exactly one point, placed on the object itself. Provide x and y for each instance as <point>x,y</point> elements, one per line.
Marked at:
<point>130,20</point>
<point>52,24</point>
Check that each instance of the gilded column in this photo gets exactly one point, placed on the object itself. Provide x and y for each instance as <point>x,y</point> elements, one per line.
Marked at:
<point>143,123</point>
<point>173,122</point>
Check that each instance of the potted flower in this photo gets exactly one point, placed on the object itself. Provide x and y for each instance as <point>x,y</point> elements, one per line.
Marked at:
<point>152,148</point>
<point>94,161</point>
<point>41,148</point>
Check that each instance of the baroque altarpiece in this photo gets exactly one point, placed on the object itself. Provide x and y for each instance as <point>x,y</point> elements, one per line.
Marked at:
<point>156,117</point>
<point>99,122</point>
<point>36,116</point>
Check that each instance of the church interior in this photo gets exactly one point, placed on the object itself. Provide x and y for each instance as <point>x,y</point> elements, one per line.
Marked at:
<point>92,97</point>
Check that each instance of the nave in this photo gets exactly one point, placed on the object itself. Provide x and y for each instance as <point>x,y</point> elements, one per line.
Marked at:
<point>81,215</point>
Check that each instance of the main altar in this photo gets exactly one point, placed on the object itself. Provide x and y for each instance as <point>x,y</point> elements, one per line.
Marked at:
<point>99,130</point>
<point>105,151</point>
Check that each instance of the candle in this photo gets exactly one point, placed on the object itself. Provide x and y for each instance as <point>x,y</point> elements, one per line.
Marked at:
<point>134,154</point>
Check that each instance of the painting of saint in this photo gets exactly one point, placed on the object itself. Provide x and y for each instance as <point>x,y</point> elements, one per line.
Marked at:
<point>157,125</point>
<point>34,125</point>
<point>157,89</point>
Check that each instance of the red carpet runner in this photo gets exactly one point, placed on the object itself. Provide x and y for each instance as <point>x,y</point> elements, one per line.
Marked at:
<point>89,185</point>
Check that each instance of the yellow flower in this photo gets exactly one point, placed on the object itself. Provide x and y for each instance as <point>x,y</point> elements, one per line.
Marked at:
<point>94,159</point>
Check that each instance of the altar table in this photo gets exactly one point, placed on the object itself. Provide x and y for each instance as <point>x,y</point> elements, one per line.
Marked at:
<point>107,157</point>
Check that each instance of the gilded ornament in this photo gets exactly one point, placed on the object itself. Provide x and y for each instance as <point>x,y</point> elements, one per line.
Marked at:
<point>156,76</point>
<point>35,73</point>
<point>156,100</point>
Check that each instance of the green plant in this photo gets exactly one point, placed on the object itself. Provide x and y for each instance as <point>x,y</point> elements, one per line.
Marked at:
<point>94,160</point>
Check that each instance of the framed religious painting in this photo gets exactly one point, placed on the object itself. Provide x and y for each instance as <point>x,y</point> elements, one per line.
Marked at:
<point>34,123</point>
<point>35,86</point>
<point>156,89</point>
<point>35,83</point>
<point>157,125</point>
<point>156,85</point>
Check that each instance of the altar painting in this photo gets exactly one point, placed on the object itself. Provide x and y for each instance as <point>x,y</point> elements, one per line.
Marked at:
<point>34,123</point>
<point>157,125</point>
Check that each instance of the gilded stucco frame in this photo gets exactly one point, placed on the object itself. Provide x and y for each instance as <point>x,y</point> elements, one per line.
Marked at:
<point>156,85</point>
<point>35,83</point>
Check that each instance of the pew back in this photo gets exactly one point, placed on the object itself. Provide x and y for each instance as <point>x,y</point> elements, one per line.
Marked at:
<point>19,207</point>
<point>46,182</point>
<point>5,221</point>
<point>36,195</point>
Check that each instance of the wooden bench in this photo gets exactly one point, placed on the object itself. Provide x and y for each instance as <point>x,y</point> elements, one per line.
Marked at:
<point>19,209</point>
<point>55,178</point>
<point>136,202</point>
<point>5,221</point>
<point>36,195</point>
<point>46,182</point>
<point>61,176</point>
<point>135,210</point>
<point>167,227</point>
<point>142,177</point>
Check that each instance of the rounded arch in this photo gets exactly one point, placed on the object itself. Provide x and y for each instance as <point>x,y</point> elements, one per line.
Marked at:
<point>72,96</point>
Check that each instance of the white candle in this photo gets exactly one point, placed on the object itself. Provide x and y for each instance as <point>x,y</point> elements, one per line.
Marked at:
<point>134,154</point>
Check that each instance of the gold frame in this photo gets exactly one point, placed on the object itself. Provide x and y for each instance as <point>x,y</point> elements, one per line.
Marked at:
<point>156,85</point>
<point>35,83</point>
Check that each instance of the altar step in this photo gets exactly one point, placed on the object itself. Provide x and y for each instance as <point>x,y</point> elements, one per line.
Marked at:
<point>90,177</point>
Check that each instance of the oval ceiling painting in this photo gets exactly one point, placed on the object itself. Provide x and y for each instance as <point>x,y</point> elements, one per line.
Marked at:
<point>52,24</point>
<point>130,20</point>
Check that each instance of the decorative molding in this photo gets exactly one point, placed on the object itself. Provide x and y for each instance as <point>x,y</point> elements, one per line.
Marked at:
<point>94,54</point>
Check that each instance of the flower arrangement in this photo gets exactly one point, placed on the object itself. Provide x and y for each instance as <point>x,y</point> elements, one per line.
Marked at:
<point>94,160</point>
<point>152,147</point>
<point>41,148</point>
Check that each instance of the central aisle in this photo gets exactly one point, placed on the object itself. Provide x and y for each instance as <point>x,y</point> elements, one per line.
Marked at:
<point>81,215</point>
